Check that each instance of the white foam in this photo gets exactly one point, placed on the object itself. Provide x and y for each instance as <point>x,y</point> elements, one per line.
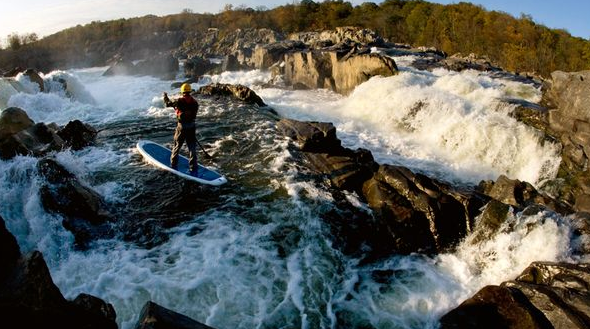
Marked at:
<point>450,125</point>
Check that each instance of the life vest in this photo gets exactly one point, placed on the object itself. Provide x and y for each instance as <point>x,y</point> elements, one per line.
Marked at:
<point>186,109</point>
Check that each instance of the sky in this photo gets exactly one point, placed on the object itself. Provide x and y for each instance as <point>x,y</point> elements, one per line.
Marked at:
<point>45,17</point>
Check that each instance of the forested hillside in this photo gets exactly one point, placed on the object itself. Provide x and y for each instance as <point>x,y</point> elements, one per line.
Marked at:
<point>516,44</point>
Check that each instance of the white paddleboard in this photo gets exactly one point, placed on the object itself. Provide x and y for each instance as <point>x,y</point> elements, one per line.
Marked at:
<point>159,156</point>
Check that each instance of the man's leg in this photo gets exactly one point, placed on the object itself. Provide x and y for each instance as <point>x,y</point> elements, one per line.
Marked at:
<point>191,142</point>
<point>178,141</point>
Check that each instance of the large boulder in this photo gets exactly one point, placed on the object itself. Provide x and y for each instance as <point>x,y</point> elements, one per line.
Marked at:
<point>239,92</point>
<point>78,135</point>
<point>420,214</point>
<point>85,212</point>
<point>21,136</point>
<point>545,295</point>
<point>154,316</point>
<point>30,299</point>
<point>520,194</point>
<point>334,69</point>
<point>35,78</point>
<point>265,55</point>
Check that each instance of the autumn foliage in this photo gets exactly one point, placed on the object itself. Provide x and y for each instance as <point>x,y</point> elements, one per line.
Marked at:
<point>516,44</point>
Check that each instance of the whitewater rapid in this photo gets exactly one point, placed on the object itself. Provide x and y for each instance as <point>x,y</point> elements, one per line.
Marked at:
<point>262,257</point>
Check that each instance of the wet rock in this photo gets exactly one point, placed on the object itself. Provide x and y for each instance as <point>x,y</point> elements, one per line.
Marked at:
<point>520,194</point>
<point>20,136</point>
<point>420,213</point>
<point>155,316</point>
<point>78,135</point>
<point>36,78</point>
<point>14,120</point>
<point>239,92</point>
<point>310,136</point>
<point>545,295</point>
<point>85,213</point>
<point>489,222</point>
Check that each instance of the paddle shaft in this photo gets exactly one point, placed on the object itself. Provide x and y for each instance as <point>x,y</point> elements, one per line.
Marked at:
<point>201,146</point>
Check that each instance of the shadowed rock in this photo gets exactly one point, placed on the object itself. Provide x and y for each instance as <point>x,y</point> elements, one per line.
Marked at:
<point>154,316</point>
<point>78,135</point>
<point>85,213</point>
<point>30,299</point>
<point>545,295</point>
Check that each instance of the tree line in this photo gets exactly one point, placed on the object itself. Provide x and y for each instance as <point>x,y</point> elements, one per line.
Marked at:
<point>515,44</point>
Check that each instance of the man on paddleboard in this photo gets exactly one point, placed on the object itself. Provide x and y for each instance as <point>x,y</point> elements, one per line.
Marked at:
<point>186,113</point>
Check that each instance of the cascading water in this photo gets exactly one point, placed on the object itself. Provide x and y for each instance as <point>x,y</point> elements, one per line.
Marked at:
<point>255,253</point>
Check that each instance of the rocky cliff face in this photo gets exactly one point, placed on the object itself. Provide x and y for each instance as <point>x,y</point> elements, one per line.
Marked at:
<point>567,96</point>
<point>333,70</point>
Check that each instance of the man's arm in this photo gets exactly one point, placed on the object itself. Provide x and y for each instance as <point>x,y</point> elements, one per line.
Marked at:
<point>167,101</point>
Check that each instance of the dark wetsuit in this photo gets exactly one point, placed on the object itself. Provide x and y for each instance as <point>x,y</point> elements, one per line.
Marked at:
<point>186,112</point>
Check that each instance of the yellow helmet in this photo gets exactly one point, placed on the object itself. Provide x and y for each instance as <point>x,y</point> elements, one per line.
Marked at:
<point>185,88</point>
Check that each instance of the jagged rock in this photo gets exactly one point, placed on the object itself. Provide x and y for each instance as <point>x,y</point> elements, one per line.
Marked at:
<point>230,63</point>
<point>567,95</point>
<point>311,136</point>
<point>36,78</point>
<point>14,72</point>
<point>240,92</point>
<point>20,136</point>
<point>122,67</point>
<point>155,316</point>
<point>268,54</point>
<point>345,34</point>
<point>520,194</point>
<point>78,135</point>
<point>490,220</point>
<point>96,306</point>
<point>9,250</point>
<point>545,295</point>
<point>335,70</point>
<point>85,213</point>
<point>14,120</point>
<point>196,66</point>
<point>458,63</point>
<point>420,213</point>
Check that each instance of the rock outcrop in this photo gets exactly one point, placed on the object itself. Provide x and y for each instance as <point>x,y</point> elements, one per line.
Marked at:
<point>334,69</point>
<point>545,295</point>
<point>341,35</point>
<point>19,135</point>
<point>567,96</point>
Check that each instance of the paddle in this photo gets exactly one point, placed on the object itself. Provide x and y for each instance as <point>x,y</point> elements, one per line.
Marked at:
<point>206,154</point>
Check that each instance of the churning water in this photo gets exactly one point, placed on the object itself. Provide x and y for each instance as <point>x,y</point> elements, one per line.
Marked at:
<point>255,253</point>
